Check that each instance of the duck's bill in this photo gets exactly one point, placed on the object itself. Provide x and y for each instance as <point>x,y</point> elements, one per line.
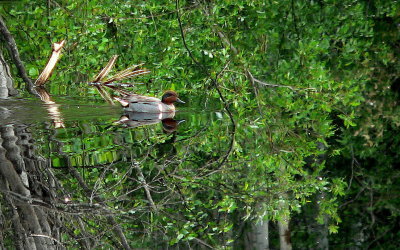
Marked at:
<point>179,100</point>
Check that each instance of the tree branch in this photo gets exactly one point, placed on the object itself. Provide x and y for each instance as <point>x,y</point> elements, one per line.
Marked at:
<point>12,48</point>
<point>252,79</point>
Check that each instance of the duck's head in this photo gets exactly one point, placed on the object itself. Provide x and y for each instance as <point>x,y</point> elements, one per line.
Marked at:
<point>170,97</point>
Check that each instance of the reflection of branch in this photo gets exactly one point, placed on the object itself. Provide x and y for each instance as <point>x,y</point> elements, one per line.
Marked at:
<point>25,198</point>
<point>117,228</point>
<point>49,237</point>
<point>142,180</point>
<point>55,55</point>
<point>51,107</point>
<point>12,48</point>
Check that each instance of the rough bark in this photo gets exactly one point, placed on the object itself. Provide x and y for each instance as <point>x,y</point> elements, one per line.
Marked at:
<point>6,82</point>
<point>17,186</point>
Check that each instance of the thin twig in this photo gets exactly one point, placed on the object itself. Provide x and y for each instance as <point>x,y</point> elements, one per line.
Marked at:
<point>117,228</point>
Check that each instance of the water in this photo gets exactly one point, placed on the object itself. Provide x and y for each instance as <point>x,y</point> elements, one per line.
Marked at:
<point>108,157</point>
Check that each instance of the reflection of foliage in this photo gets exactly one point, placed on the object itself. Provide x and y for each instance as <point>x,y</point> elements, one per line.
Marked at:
<point>306,81</point>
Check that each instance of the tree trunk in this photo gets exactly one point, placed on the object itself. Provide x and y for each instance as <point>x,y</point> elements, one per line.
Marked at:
<point>283,223</point>
<point>6,82</point>
<point>258,237</point>
<point>284,233</point>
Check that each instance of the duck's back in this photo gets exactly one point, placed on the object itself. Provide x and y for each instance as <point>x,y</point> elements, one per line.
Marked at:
<point>145,104</point>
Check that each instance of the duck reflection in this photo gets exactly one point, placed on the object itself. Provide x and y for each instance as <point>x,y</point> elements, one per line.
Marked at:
<point>138,119</point>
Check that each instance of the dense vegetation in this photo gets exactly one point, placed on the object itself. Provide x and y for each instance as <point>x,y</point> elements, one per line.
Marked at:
<point>305,125</point>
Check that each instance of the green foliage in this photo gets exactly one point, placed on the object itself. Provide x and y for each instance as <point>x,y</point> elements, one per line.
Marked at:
<point>322,55</point>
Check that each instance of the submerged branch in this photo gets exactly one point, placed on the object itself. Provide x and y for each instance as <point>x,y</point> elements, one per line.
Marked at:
<point>48,237</point>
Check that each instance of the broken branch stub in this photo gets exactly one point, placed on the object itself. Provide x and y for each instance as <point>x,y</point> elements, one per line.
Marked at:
<point>48,70</point>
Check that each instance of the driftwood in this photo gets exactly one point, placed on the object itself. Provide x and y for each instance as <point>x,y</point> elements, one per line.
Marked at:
<point>55,55</point>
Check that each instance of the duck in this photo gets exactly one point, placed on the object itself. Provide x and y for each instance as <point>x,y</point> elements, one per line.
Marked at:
<point>147,104</point>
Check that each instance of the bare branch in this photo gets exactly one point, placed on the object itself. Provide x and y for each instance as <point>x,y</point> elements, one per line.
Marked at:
<point>48,70</point>
<point>252,79</point>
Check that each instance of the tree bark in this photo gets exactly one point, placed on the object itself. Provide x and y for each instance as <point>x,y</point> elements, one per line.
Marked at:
<point>6,82</point>
<point>258,235</point>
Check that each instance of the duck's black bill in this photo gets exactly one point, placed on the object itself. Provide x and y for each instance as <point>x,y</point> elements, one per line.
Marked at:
<point>179,100</point>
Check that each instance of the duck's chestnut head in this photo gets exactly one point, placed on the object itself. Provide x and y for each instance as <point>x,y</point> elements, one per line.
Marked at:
<point>170,97</point>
